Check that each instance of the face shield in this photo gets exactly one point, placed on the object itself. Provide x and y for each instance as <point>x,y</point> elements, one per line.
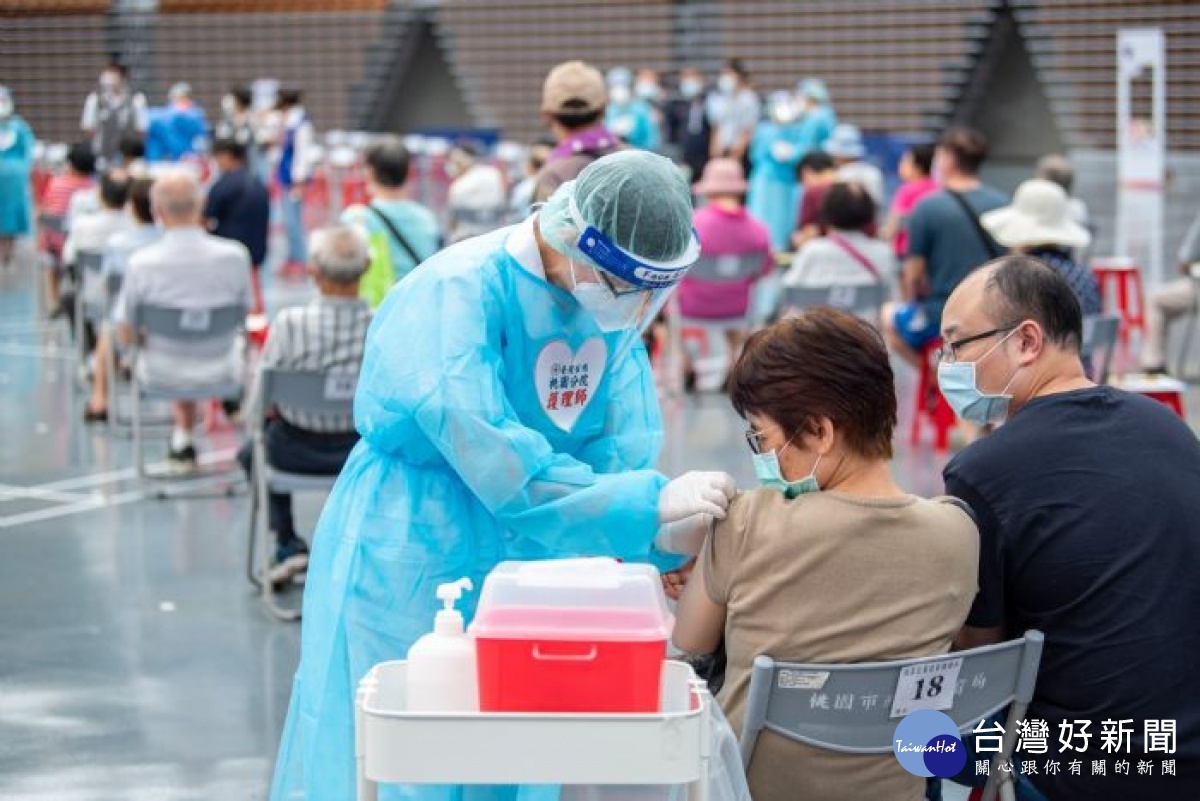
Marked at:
<point>621,292</point>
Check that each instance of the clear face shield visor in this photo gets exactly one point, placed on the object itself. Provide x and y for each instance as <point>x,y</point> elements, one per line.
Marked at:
<point>623,293</point>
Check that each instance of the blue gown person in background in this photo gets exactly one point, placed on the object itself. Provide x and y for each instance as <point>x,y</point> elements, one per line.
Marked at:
<point>817,116</point>
<point>631,118</point>
<point>16,164</point>
<point>778,145</point>
<point>180,130</point>
<point>507,411</point>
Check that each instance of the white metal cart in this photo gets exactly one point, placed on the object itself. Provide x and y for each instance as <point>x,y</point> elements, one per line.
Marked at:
<point>395,746</point>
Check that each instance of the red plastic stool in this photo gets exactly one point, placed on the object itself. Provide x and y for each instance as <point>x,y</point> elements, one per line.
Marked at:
<point>354,190</point>
<point>1167,391</point>
<point>1119,277</point>
<point>930,406</point>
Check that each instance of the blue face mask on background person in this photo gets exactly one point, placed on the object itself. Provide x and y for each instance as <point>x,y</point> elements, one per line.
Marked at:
<point>957,382</point>
<point>770,475</point>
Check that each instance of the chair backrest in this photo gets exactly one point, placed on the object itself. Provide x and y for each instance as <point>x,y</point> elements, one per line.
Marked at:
<point>55,223</point>
<point>855,708</point>
<point>89,261</point>
<point>309,391</point>
<point>738,267</point>
<point>189,325</point>
<point>488,216</point>
<point>1100,333</point>
<point>862,299</point>
<point>113,283</point>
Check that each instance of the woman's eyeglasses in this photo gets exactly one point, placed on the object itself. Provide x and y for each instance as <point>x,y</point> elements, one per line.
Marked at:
<point>753,439</point>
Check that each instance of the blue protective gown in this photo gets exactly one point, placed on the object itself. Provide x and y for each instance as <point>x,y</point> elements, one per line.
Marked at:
<point>635,123</point>
<point>16,163</point>
<point>462,466</point>
<point>772,197</point>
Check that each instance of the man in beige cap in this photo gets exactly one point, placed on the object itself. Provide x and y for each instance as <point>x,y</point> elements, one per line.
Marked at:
<point>573,104</point>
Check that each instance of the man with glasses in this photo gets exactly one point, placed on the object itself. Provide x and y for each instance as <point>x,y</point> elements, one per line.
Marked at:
<point>1087,504</point>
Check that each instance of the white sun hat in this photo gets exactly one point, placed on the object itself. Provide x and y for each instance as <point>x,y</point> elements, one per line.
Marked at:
<point>1039,215</point>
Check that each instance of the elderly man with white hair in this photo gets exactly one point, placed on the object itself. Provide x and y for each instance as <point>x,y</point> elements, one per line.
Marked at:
<point>187,268</point>
<point>326,335</point>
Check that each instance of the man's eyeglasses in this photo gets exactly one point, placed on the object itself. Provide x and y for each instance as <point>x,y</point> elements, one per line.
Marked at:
<point>947,353</point>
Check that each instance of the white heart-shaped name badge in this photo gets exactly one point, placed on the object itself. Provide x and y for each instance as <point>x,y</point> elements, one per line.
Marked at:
<point>566,380</point>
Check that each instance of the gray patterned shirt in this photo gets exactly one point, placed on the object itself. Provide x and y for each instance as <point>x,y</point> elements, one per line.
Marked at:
<point>327,334</point>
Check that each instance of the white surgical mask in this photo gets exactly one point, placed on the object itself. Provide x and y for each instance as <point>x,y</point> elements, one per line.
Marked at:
<point>690,87</point>
<point>109,83</point>
<point>6,109</point>
<point>611,313</point>
<point>647,90</point>
<point>229,106</point>
<point>727,84</point>
<point>620,94</point>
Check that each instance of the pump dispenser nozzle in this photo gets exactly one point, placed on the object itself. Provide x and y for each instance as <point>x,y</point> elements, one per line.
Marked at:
<point>449,620</point>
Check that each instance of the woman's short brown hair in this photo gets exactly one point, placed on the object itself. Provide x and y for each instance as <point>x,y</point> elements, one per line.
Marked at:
<point>824,363</point>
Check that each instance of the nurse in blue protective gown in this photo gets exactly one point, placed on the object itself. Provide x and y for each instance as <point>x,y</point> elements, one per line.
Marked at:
<point>778,144</point>
<point>507,411</point>
<point>16,164</point>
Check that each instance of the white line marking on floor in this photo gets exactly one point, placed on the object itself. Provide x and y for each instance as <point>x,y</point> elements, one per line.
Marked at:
<point>10,492</point>
<point>72,504</point>
<point>36,352</point>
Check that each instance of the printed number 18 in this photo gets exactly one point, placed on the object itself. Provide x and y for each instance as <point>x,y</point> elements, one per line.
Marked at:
<point>935,688</point>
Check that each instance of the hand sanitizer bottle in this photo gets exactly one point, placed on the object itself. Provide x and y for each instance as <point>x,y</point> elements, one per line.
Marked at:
<point>441,665</point>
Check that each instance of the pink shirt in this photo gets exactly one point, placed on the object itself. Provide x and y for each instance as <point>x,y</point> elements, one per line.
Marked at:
<point>904,201</point>
<point>725,232</point>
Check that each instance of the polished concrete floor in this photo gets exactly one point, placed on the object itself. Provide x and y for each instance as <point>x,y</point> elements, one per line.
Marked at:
<point>135,661</point>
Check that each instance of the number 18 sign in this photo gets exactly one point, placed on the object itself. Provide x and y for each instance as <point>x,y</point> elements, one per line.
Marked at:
<point>929,685</point>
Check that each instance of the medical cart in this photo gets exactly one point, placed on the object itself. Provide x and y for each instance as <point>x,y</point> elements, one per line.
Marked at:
<point>393,745</point>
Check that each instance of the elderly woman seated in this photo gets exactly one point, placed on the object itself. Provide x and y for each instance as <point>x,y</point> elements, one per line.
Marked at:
<point>830,561</point>
<point>848,253</point>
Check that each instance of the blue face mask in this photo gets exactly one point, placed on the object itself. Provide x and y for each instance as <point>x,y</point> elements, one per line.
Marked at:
<point>766,468</point>
<point>957,382</point>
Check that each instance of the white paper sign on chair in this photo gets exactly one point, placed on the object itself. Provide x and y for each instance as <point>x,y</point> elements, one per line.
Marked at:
<point>195,320</point>
<point>930,685</point>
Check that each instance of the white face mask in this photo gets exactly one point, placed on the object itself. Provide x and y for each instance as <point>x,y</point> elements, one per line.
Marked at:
<point>611,313</point>
<point>6,109</point>
<point>647,90</point>
<point>727,84</point>
<point>229,106</point>
<point>690,88</point>
<point>109,83</point>
<point>620,94</point>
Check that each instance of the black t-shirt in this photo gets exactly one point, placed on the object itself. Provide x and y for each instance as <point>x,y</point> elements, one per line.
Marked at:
<point>239,204</point>
<point>1088,505</point>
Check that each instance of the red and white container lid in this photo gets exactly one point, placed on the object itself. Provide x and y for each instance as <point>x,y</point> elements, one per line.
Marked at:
<point>593,599</point>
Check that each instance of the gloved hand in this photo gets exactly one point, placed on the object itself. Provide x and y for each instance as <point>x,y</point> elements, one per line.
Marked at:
<point>696,493</point>
<point>684,536</point>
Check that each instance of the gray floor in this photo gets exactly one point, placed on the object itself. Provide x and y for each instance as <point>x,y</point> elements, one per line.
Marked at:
<point>135,661</point>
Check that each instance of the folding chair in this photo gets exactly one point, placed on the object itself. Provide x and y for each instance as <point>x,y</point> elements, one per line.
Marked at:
<point>310,392</point>
<point>91,304</point>
<point>1100,334</point>
<point>481,219</point>
<point>1190,332</point>
<point>983,681</point>
<point>727,269</point>
<point>865,300</point>
<point>194,326</point>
